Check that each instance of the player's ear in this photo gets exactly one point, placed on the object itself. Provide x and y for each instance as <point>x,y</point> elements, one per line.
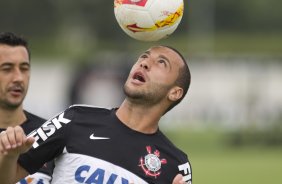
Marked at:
<point>175,93</point>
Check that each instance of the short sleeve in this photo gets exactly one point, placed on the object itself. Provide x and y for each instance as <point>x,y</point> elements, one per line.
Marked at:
<point>50,140</point>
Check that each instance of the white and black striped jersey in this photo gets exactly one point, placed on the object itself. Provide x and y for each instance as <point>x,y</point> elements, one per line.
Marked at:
<point>91,145</point>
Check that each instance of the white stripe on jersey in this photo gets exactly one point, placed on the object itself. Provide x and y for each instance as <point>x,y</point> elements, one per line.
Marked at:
<point>76,168</point>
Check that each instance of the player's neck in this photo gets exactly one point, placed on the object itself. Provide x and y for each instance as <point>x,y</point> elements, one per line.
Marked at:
<point>139,118</point>
<point>11,117</point>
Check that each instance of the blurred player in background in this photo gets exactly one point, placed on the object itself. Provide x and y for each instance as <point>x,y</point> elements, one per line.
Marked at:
<point>121,145</point>
<point>14,81</point>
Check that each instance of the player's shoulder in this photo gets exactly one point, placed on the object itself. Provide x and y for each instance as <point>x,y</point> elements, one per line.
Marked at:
<point>87,114</point>
<point>172,146</point>
<point>34,118</point>
<point>86,107</point>
<point>89,109</point>
<point>32,122</point>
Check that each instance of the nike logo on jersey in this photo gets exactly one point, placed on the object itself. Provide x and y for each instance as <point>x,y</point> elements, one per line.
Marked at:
<point>93,137</point>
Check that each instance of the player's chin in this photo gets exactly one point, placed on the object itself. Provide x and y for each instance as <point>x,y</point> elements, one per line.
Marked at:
<point>14,103</point>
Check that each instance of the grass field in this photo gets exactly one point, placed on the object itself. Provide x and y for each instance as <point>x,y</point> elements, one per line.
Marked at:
<point>215,162</point>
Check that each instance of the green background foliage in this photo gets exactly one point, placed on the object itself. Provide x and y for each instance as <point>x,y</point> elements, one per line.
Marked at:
<point>79,29</point>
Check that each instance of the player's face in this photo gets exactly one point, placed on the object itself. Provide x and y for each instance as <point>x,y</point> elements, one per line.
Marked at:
<point>14,75</point>
<point>153,75</point>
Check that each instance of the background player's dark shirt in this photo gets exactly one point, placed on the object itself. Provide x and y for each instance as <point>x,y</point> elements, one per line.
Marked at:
<point>33,122</point>
<point>93,146</point>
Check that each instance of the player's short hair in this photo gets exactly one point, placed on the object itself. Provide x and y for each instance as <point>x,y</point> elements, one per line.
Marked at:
<point>183,80</point>
<point>8,38</point>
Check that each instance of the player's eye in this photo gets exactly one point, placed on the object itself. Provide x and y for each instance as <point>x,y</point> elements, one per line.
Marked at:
<point>144,56</point>
<point>24,67</point>
<point>163,62</point>
<point>6,68</point>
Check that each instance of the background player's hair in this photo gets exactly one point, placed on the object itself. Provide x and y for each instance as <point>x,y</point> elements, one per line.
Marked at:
<point>8,38</point>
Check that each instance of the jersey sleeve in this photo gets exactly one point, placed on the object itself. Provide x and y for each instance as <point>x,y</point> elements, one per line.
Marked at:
<point>186,170</point>
<point>179,161</point>
<point>50,140</point>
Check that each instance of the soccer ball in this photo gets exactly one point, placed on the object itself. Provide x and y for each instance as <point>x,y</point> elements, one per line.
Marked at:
<point>148,20</point>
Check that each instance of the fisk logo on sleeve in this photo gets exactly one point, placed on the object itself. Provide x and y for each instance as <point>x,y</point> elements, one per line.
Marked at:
<point>186,169</point>
<point>48,129</point>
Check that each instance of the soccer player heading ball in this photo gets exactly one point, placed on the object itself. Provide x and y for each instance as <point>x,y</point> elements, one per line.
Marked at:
<point>119,145</point>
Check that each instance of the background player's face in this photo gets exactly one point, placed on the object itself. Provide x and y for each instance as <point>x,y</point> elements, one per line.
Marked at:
<point>14,75</point>
<point>153,75</point>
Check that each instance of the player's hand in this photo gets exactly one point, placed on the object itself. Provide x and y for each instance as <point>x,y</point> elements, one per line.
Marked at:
<point>13,141</point>
<point>178,179</point>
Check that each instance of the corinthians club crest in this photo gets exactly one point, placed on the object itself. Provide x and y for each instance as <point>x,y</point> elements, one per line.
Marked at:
<point>151,163</point>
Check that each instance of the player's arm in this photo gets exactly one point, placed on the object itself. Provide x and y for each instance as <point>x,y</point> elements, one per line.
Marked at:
<point>178,179</point>
<point>13,142</point>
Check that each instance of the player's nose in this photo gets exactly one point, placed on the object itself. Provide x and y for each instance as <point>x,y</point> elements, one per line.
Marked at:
<point>18,75</point>
<point>145,64</point>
